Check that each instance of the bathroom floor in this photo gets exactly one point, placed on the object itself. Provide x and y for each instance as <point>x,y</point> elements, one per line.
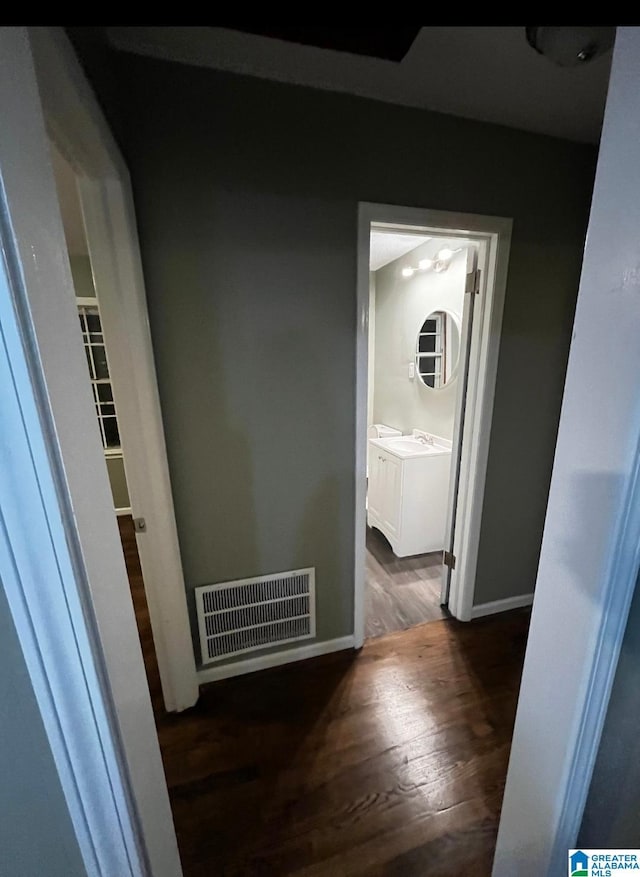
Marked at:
<point>400,591</point>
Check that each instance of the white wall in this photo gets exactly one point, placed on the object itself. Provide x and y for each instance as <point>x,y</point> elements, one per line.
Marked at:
<point>401,306</point>
<point>589,558</point>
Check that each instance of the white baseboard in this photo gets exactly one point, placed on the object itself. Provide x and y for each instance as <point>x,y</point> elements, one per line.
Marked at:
<point>277,659</point>
<point>501,605</point>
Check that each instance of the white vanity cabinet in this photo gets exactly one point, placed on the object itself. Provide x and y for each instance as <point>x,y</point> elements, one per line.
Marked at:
<point>385,486</point>
<point>407,497</point>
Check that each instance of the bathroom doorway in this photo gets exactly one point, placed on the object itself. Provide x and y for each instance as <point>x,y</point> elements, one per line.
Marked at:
<point>416,302</point>
<point>430,296</point>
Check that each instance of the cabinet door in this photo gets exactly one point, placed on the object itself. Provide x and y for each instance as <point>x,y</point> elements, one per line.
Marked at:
<point>391,489</point>
<point>374,487</point>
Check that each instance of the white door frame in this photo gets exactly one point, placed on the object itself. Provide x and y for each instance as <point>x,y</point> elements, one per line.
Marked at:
<point>496,233</point>
<point>61,562</point>
<point>590,553</point>
<point>76,124</point>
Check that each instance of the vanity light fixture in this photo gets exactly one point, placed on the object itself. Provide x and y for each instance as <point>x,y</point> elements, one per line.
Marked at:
<point>439,263</point>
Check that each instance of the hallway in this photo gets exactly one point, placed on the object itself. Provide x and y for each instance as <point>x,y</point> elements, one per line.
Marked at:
<point>387,762</point>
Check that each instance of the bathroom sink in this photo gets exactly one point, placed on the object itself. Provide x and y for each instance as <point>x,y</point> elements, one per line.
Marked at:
<point>408,446</point>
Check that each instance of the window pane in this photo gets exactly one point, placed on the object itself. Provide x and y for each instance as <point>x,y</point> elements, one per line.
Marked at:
<point>429,364</point>
<point>100,361</point>
<point>93,323</point>
<point>430,326</point>
<point>427,343</point>
<point>89,363</point>
<point>99,373</point>
<point>105,393</point>
<point>111,434</point>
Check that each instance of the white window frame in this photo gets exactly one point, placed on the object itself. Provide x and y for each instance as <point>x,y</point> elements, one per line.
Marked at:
<point>437,354</point>
<point>84,306</point>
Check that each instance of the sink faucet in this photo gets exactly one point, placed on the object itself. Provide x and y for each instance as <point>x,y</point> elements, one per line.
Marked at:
<point>425,439</point>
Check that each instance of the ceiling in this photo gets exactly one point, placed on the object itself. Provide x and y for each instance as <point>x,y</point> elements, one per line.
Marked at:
<point>391,43</point>
<point>485,73</point>
<point>386,246</point>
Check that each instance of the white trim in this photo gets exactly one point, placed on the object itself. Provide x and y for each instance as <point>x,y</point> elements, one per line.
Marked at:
<point>76,125</point>
<point>122,512</point>
<point>590,554</point>
<point>86,302</point>
<point>47,317</point>
<point>276,659</point>
<point>41,561</point>
<point>495,232</point>
<point>482,609</point>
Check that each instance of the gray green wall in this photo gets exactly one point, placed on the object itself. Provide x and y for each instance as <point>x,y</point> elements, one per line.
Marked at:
<point>612,813</point>
<point>36,833</point>
<point>246,195</point>
<point>401,307</point>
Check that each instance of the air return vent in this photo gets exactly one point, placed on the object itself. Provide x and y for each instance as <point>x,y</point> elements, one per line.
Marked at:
<point>238,617</point>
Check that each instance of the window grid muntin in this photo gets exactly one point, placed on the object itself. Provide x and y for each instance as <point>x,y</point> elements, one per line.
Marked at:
<point>101,388</point>
<point>431,378</point>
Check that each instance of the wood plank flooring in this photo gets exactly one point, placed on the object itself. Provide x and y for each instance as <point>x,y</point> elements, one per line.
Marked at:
<point>400,592</point>
<point>138,596</point>
<point>388,762</point>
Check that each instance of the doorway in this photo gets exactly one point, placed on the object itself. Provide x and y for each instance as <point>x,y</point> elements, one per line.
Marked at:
<point>111,314</point>
<point>416,366</point>
<point>98,355</point>
<point>430,297</point>
<point>90,324</point>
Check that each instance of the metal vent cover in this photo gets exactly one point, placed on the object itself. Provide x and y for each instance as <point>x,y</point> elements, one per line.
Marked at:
<point>249,614</point>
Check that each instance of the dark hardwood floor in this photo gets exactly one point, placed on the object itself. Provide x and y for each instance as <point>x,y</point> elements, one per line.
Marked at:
<point>387,762</point>
<point>130,549</point>
<point>400,592</point>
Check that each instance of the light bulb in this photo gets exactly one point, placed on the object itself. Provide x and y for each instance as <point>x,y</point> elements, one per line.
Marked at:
<point>407,272</point>
<point>423,264</point>
<point>445,253</point>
